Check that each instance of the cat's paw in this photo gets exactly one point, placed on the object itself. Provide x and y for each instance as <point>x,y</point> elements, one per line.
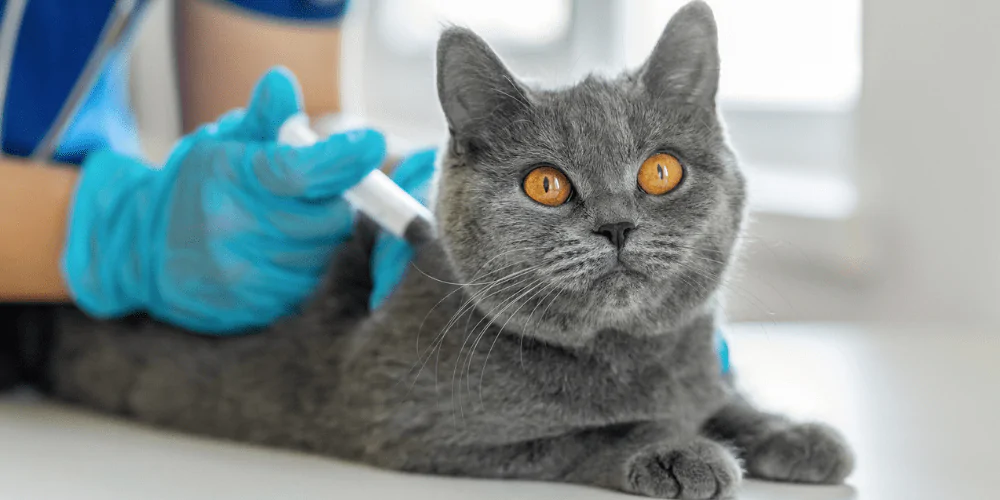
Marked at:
<point>698,470</point>
<point>804,453</point>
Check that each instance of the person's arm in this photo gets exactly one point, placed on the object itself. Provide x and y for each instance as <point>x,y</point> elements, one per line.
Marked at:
<point>34,201</point>
<point>222,50</point>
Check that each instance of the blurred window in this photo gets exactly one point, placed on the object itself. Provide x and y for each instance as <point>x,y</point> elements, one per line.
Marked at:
<point>409,25</point>
<point>775,52</point>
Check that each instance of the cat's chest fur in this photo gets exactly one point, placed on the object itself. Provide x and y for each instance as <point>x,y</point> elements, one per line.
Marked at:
<point>618,379</point>
<point>494,381</point>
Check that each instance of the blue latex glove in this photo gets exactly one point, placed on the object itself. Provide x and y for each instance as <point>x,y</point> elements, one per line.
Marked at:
<point>233,232</point>
<point>391,255</point>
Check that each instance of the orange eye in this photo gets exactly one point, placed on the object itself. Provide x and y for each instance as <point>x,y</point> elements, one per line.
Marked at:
<point>660,174</point>
<point>547,186</point>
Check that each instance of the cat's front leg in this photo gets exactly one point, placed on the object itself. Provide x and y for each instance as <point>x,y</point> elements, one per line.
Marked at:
<point>650,459</point>
<point>656,461</point>
<point>775,448</point>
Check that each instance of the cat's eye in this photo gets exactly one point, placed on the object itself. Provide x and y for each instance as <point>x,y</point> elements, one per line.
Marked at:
<point>660,174</point>
<point>547,186</point>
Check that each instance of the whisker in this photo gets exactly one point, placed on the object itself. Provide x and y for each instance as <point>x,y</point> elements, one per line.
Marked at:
<point>482,333</point>
<point>552,288</point>
<point>758,276</point>
<point>420,330</point>
<point>702,257</point>
<point>471,307</point>
<point>466,341</point>
<point>472,349</point>
<point>470,302</point>
<point>538,287</point>
<point>439,338</point>
<point>480,267</point>
<point>734,288</point>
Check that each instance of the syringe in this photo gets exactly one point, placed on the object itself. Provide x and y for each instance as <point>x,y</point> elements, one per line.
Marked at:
<point>375,196</point>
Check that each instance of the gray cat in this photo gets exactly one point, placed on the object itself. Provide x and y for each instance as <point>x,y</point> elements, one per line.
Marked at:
<point>568,341</point>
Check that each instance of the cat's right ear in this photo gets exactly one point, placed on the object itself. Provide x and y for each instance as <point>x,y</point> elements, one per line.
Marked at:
<point>685,62</point>
<point>474,86</point>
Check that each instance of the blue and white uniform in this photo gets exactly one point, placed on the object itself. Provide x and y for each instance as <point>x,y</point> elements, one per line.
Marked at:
<point>64,71</point>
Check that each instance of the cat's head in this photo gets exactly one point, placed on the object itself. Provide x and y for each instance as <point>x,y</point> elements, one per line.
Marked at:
<point>562,197</point>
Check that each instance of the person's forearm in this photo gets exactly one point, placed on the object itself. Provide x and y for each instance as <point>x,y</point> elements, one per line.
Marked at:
<point>34,204</point>
<point>222,50</point>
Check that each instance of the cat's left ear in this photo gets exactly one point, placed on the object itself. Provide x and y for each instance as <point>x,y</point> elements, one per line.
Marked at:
<point>684,64</point>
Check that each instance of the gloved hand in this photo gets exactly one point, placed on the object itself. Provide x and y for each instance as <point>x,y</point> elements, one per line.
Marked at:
<point>391,255</point>
<point>233,232</point>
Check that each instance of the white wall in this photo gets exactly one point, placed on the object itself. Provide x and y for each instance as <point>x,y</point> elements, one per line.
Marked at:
<point>929,123</point>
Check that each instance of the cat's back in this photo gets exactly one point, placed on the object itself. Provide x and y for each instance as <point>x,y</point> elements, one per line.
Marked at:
<point>163,375</point>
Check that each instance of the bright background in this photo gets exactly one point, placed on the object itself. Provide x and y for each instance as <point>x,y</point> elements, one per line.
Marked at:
<point>867,131</point>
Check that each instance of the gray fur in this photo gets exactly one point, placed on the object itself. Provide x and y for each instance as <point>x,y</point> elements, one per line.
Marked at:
<point>516,346</point>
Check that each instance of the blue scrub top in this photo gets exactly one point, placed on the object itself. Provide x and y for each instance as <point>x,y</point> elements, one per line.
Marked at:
<point>54,42</point>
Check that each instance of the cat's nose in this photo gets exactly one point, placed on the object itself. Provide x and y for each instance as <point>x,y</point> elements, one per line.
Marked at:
<point>616,232</point>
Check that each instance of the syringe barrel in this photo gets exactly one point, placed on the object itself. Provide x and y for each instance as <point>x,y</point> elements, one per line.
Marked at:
<point>377,196</point>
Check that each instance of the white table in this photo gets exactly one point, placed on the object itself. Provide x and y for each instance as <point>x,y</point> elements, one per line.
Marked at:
<point>920,405</point>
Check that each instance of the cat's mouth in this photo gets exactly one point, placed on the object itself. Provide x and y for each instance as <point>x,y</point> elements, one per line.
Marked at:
<point>619,271</point>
